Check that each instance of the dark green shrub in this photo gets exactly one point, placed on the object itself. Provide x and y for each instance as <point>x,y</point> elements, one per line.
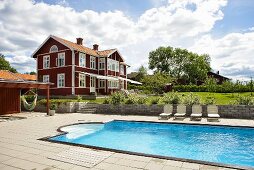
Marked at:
<point>154,100</point>
<point>53,106</point>
<point>117,98</point>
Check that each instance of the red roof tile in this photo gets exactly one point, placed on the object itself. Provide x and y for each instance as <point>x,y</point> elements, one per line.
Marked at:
<point>7,75</point>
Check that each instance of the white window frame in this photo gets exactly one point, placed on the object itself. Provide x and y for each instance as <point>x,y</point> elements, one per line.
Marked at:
<point>46,61</point>
<point>59,58</point>
<point>102,83</point>
<point>83,57</point>
<point>101,63</point>
<point>92,62</point>
<point>58,78</point>
<point>45,78</point>
<point>113,84</point>
<point>53,49</point>
<point>121,69</point>
<point>83,78</point>
<point>117,66</point>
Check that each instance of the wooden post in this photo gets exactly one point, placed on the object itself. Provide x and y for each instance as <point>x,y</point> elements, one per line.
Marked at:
<point>48,100</point>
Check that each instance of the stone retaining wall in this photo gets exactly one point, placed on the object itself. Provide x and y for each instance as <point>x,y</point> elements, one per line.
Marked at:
<point>225,111</point>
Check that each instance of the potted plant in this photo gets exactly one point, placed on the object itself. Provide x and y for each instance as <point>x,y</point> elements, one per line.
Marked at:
<point>52,109</point>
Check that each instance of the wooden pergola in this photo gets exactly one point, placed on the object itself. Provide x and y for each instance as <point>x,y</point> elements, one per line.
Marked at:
<point>12,84</point>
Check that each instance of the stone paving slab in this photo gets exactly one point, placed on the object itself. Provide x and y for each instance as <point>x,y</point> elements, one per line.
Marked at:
<point>81,157</point>
<point>21,149</point>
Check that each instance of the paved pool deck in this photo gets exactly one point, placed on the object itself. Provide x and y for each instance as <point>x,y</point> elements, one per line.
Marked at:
<point>21,149</point>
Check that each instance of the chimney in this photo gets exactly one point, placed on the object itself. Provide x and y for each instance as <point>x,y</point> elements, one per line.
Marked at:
<point>95,47</point>
<point>80,41</point>
<point>218,72</point>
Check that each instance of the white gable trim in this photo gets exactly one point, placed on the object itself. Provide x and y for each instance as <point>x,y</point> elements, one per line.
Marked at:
<point>118,53</point>
<point>50,36</point>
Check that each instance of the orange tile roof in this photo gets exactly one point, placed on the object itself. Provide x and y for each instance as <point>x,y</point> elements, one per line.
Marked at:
<point>7,75</point>
<point>105,53</point>
<point>84,49</point>
<point>27,76</point>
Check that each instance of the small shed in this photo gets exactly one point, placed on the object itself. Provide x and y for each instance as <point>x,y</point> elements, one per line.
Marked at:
<point>10,91</point>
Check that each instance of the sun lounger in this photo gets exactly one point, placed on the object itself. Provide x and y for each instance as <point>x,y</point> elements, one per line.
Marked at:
<point>168,109</point>
<point>180,112</point>
<point>196,112</point>
<point>212,111</point>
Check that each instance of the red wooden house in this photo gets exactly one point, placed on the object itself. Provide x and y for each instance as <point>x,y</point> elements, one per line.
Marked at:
<point>78,70</point>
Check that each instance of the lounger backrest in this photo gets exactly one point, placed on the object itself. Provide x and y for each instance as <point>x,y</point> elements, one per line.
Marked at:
<point>181,109</point>
<point>212,109</point>
<point>196,109</point>
<point>168,108</point>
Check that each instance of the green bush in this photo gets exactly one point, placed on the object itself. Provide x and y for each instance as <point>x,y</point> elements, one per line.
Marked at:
<point>190,88</point>
<point>106,101</point>
<point>117,98</point>
<point>154,100</point>
<point>29,98</point>
<point>191,99</point>
<point>53,106</point>
<point>170,98</point>
<point>141,100</point>
<point>209,100</point>
<point>244,100</point>
<point>131,99</point>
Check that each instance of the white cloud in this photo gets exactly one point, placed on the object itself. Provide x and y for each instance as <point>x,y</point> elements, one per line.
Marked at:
<point>185,23</point>
<point>231,54</point>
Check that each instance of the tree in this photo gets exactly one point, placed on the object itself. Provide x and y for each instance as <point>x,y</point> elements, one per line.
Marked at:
<point>142,72</point>
<point>5,65</point>
<point>180,63</point>
<point>156,82</point>
<point>31,73</point>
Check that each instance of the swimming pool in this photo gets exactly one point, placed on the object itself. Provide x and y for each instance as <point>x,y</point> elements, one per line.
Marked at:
<point>215,144</point>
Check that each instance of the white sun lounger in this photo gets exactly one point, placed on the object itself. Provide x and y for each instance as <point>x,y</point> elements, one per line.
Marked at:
<point>180,112</point>
<point>212,111</point>
<point>168,109</point>
<point>196,112</point>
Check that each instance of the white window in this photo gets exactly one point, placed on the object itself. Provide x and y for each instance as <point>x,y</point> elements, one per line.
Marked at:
<point>113,84</point>
<point>46,61</point>
<point>102,83</point>
<point>82,80</point>
<point>45,78</point>
<point>60,60</point>
<point>122,69</point>
<point>60,80</point>
<point>82,59</point>
<point>53,49</point>
<point>92,62</point>
<point>117,66</point>
<point>102,63</point>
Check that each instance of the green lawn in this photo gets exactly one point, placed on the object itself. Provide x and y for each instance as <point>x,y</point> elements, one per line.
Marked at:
<point>220,98</point>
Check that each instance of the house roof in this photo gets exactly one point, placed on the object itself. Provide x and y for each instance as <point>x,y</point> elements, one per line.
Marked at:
<point>81,48</point>
<point>27,76</point>
<point>7,75</point>
<point>217,75</point>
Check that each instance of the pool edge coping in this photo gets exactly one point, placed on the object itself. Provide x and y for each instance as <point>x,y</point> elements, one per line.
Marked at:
<point>143,154</point>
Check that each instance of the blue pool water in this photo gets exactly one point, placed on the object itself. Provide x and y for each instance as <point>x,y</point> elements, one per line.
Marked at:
<point>219,144</point>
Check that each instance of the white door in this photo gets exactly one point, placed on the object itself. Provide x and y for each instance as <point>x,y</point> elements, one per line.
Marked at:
<point>92,83</point>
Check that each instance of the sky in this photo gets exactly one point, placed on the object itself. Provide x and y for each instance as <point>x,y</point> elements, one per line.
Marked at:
<point>224,29</point>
